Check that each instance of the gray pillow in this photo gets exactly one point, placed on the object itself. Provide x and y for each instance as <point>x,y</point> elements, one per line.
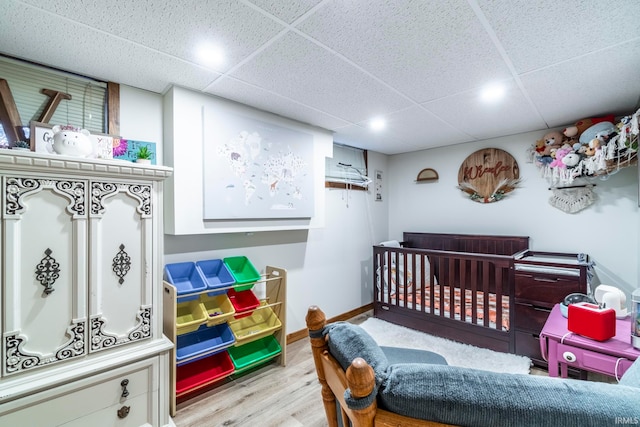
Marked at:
<point>348,341</point>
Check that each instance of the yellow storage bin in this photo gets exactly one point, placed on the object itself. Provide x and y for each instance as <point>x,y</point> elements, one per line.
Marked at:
<point>261,323</point>
<point>190,315</point>
<point>219,308</point>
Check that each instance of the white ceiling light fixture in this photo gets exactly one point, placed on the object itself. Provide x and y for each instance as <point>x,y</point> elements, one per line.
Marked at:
<point>492,93</point>
<point>377,124</point>
<point>210,55</point>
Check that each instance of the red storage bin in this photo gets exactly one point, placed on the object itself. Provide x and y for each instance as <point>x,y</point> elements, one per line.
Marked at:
<point>203,372</point>
<point>244,302</point>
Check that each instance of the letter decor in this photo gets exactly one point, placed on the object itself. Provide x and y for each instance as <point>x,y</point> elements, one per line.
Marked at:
<point>488,175</point>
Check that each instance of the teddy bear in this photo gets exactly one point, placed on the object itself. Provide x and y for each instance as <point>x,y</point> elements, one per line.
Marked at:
<point>546,147</point>
<point>71,141</point>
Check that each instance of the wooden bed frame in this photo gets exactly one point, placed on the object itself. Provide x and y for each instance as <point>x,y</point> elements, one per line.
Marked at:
<point>359,379</point>
<point>475,265</point>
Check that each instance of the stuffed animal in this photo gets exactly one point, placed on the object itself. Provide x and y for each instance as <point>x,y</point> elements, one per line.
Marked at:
<point>576,130</point>
<point>571,160</point>
<point>549,141</point>
<point>560,154</point>
<point>71,141</point>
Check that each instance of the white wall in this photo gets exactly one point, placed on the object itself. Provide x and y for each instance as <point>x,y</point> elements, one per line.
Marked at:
<point>327,266</point>
<point>330,266</point>
<point>608,230</point>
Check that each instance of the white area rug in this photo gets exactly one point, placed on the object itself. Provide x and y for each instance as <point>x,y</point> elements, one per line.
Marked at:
<point>457,354</point>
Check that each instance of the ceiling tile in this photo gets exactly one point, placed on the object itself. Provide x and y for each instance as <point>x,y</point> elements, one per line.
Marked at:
<point>426,49</point>
<point>112,63</point>
<point>361,137</point>
<point>466,111</point>
<point>408,130</point>
<point>538,33</point>
<point>259,98</point>
<point>287,10</point>
<point>176,27</point>
<point>606,82</point>
<point>303,71</point>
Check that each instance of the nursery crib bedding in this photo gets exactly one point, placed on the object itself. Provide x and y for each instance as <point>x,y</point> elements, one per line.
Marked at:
<point>408,303</point>
<point>401,278</point>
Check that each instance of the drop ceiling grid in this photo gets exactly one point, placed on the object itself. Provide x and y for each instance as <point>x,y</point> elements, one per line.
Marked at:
<point>115,53</point>
<point>303,71</point>
<point>616,93</point>
<point>426,50</point>
<point>287,10</point>
<point>262,99</point>
<point>176,27</point>
<point>539,33</point>
<point>513,114</point>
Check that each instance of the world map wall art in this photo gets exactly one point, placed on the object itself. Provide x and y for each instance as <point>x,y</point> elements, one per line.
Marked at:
<point>254,169</point>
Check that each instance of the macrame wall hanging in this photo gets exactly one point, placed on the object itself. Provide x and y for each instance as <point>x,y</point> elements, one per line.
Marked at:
<point>572,200</point>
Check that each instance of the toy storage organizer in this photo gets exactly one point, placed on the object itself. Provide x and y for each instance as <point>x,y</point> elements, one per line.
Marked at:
<point>223,330</point>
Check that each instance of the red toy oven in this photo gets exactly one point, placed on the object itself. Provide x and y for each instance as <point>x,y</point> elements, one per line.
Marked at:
<point>591,321</point>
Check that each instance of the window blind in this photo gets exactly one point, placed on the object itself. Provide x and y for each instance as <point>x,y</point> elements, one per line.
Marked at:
<point>347,166</point>
<point>87,106</point>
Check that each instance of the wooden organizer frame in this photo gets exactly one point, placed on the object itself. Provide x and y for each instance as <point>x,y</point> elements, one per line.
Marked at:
<point>275,282</point>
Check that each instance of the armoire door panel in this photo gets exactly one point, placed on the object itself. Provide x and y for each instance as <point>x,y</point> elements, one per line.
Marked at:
<point>120,307</point>
<point>45,310</point>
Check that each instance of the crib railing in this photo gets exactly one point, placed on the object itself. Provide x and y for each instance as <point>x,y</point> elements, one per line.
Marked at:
<point>453,285</point>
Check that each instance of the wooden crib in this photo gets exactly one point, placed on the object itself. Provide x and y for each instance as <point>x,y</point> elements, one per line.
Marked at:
<point>455,286</point>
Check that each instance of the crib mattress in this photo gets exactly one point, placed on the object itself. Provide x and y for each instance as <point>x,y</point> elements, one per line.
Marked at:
<point>457,307</point>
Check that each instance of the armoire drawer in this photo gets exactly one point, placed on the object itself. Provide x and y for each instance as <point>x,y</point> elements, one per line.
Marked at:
<point>93,401</point>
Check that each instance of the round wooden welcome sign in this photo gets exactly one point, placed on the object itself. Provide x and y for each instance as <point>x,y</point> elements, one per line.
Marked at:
<point>488,175</point>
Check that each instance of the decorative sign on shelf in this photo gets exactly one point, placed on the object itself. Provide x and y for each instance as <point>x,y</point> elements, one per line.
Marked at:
<point>488,175</point>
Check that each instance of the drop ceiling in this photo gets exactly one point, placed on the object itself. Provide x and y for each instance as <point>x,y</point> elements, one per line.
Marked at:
<point>337,64</point>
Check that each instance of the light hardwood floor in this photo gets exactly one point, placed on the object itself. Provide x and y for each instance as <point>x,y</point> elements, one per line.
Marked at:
<point>273,396</point>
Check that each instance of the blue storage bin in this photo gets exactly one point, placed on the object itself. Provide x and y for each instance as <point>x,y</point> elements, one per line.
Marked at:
<point>186,278</point>
<point>204,341</point>
<point>216,275</point>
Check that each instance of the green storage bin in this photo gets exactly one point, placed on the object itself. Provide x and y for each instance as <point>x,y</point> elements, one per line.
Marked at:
<point>248,355</point>
<point>244,273</point>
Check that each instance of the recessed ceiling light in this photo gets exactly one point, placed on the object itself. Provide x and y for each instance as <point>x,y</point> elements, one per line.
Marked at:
<point>210,55</point>
<point>377,124</point>
<point>492,93</point>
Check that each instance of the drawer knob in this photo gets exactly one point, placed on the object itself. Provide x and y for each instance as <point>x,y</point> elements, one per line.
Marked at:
<point>123,412</point>
<point>569,357</point>
<point>124,385</point>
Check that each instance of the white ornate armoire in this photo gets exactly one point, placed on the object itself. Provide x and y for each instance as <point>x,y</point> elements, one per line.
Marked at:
<point>81,276</point>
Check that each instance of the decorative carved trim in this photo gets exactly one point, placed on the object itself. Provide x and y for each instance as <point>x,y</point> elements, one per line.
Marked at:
<point>16,188</point>
<point>143,194</point>
<point>100,340</point>
<point>143,329</point>
<point>101,191</point>
<point>10,160</point>
<point>18,360</point>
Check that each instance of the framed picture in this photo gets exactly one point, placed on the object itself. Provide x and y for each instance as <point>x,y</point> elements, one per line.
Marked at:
<point>127,149</point>
<point>41,139</point>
